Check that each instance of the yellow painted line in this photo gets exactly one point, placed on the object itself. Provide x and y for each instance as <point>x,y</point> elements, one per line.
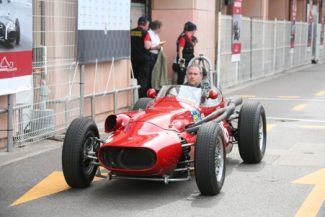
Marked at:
<point>320,93</point>
<point>270,126</point>
<point>313,127</point>
<point>288,97</point>
<point>52,184</point>
<point>315,199</point>
<point>298,107</point>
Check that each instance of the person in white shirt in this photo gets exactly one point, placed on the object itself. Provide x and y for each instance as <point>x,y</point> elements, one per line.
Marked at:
<point>152,42</point>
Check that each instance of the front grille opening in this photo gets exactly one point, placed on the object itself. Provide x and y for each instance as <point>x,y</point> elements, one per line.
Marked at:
<point>12,35</point>
<point>128,158</point>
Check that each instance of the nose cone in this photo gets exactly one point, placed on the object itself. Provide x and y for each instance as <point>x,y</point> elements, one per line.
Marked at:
<point>142,153</point>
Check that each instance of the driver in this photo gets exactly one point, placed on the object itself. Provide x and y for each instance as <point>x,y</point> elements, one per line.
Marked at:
<point>194,76</point>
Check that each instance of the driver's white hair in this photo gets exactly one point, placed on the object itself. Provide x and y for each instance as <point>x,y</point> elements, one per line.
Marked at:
<point>194,66</point>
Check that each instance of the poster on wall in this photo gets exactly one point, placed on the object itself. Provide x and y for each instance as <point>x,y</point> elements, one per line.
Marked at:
<point>236,30</point>
<point>322,31</point>
<point>310,25</point>
<point>16,28</point>
<point>103,30</point>
<point>293,24</point>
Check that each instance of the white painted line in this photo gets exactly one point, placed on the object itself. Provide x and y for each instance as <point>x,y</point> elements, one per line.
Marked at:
<point>295,119</point>
<point>287,99</point>
<point>313,127</point>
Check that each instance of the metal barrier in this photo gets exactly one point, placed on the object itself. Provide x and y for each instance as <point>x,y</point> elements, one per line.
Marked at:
<point>41,124</point>
<point>57,96</point>
<point>265,49</point>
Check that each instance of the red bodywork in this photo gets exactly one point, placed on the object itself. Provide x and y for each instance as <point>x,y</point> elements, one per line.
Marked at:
<point>159,128</point>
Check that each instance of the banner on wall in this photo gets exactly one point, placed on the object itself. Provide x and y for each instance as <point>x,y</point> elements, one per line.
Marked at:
<point>103,30</point>
<point>236,30</point>
<point>322,32</point>
<point>15,47</point>
<point>293,24</point>
<point>310,25</point>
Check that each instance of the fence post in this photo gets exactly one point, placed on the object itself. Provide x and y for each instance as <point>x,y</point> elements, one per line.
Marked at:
<point>251,48</point>
<point>219,49</point>
<point>263,47</point>
<point>285,67</point>
<point>66,116</point>
<point>93,106</point>
<point>10,123</point>
<point>82,89</point>
<point>300,45</point>
<point>274,45</point>
<point>115,100</point>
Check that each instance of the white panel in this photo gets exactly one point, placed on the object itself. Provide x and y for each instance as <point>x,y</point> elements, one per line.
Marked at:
<point>104,15</point>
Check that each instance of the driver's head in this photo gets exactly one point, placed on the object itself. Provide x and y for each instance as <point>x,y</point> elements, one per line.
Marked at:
<point>194,75</point>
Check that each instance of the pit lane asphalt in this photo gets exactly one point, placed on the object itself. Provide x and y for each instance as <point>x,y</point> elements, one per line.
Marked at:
<point>294,150</point>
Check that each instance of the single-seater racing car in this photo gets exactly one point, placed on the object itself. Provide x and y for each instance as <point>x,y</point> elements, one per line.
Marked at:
<point>167,136</point>
<point>9,30</point>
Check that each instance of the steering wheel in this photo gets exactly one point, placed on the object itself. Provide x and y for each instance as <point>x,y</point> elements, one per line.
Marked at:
<point>171,91</point>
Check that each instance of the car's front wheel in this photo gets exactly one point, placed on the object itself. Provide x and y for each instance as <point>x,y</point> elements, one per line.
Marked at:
<point>210,159</point>
<point>79,153</point>
<point>17,25</point>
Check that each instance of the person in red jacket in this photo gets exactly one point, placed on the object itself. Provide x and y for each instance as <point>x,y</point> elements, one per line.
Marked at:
<point>185,50</point>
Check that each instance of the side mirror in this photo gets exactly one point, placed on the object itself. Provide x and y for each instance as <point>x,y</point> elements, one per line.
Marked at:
<point>151,93</point>
<point>213,94</point>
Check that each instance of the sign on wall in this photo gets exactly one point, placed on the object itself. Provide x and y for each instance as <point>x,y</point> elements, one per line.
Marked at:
<point>322,32</point>
<point>236,30</point>
<point>293,24</point>
<point>310,25</point>
<point>15,47</point>
<point>103,30</point>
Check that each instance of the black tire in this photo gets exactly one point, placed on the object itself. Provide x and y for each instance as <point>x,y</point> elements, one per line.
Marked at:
<point>252,132</point>
<point>209,159</point>
<point>142,103</point>
<point>17,31</point>
<point>78,170</point>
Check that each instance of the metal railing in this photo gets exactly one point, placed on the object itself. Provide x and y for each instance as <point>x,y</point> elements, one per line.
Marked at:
<point>42,126</point>
<point>265,49</point>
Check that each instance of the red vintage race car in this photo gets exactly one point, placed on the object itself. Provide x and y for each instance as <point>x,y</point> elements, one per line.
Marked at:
<point>166,136</point>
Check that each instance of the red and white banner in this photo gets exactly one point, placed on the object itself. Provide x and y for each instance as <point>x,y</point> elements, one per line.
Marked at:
<point>322,32</point>
<point>310,25</point>
<point>15,72</point>
<point>293,24</point>
<point>236,30</point>
<point>16,40</point>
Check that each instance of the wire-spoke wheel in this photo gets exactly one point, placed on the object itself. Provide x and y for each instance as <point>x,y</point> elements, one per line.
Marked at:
<point>79,157</point>
<point>252,132</point>
<point>210,167</point>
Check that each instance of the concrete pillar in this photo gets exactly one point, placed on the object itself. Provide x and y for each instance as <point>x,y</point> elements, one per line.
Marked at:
<point>302,10</point>
<point>279,9</point>
<point>257,8</point>
<point>174,14</point>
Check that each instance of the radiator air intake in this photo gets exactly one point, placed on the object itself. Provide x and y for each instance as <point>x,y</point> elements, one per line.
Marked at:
<point>128,158</point>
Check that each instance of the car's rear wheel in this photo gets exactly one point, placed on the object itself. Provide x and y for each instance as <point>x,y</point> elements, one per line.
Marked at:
<point>252,132</point>
<point>142,103</point>
<point>17,31</point>
<point>78,168</point>
<point>210,167</point>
